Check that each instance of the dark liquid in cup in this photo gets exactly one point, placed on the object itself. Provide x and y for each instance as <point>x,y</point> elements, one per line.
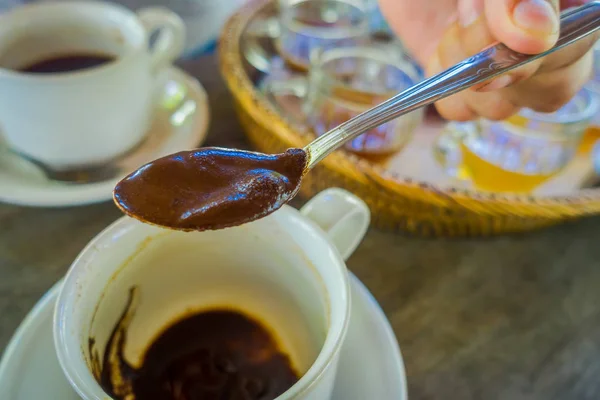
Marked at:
<point>67,63</point>
<point>216,354</point>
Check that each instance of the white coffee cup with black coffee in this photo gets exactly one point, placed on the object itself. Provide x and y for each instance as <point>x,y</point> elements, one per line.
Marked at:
<point>77,79</point>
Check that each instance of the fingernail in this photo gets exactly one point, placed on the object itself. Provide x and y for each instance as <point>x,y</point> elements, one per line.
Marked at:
<point>469,11</point>
<point>499,83</point>
<point>537,16</point>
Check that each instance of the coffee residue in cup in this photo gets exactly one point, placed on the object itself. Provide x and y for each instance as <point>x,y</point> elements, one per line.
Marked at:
<point>214,354</point>
<point>211,188</point>
<point>67,63</point>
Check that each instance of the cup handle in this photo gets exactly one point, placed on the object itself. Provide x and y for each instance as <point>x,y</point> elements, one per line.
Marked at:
<point>170,41</point>
<point>343,216</point>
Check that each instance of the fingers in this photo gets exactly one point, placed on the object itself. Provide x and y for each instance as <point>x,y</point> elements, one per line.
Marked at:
<point>558,60</point>
<point>458,43</point>
<point>420,24</point>
<point>549,91</point>
<point>474,33</point>
<point>473,36</point>
<point>454,107</point>
<point>569,54</point>
<point>526,26</point>
<point>451,50</point>
<point>544,92</point>
<point>466,106</point>
<point>493,105</point>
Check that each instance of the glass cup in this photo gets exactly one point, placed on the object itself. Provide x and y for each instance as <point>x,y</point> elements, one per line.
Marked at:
<point>345,82</point>
<point>520,153</point>
<point>286,270</point>
<point>306,25</point>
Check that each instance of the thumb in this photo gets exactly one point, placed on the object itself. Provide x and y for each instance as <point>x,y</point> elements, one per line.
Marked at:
<point>526,26</point>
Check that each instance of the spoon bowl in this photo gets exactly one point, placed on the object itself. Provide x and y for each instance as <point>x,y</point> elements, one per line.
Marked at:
<point>211,188</point>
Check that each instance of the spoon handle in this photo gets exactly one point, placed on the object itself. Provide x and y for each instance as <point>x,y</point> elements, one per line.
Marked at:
<point>495,60</point>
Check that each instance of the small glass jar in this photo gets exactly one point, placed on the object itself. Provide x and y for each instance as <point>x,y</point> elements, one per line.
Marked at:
<point>345,82</point>
<point>306,25</point>
<point>521,152</point>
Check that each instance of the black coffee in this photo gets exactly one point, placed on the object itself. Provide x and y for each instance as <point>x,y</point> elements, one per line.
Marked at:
<point>216,354</point>
<point>67,63</point>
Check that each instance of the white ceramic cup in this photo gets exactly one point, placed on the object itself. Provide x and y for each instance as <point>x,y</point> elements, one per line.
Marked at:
<point>286,269</point>
<point>88,116</point>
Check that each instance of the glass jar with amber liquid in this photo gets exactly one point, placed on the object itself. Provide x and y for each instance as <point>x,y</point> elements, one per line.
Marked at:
<point>524,151</point>
<point>306,25</point>
<point>346,81</point>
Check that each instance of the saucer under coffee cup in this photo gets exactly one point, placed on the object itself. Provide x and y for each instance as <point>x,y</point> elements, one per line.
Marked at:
<point>77,79</point>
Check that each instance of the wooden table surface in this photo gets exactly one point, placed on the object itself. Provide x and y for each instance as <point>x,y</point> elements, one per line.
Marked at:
<point>504,318</point>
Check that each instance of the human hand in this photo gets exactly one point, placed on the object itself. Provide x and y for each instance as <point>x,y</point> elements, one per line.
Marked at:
<point>441,33</point>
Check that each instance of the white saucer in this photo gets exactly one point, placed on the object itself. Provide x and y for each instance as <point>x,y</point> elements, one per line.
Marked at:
<point>370,366</point>
<point>180,123</point>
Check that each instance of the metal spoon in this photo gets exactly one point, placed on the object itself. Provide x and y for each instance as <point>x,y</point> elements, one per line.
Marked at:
<point>213,188</point>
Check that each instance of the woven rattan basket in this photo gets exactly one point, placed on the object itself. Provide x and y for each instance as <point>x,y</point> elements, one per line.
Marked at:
<point>397,204</point>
